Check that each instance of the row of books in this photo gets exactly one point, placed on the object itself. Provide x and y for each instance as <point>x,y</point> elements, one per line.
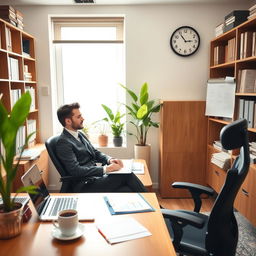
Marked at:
<point>252,11</point>
<point>20,139</point>
<point>15,95</point>
<point>11,15</point>
<point>222,160</point>
<point>247,44</point>
<point>27,74</point>
<point>13,68</point>
<point>224,53</point>
<point>246,81</point>
<point>247,110</point>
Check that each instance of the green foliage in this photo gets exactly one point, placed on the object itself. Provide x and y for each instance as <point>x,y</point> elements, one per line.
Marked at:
<point>141,110</point>
<point>114,120</point>
<point>9,126</point>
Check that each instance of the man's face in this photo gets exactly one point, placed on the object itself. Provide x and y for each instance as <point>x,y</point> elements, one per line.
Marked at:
<point>76,121</point>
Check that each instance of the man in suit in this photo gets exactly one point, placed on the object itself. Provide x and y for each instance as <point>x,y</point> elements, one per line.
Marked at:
<point>79,157</point>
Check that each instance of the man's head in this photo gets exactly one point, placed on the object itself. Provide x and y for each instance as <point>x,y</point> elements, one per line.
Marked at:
<point>70,117</point>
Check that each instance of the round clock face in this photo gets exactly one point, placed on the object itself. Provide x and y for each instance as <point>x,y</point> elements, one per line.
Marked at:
<point>185,41</point>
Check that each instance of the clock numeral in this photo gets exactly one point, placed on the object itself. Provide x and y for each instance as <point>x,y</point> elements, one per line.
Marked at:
<point>185,51</point>
<point>194,36</point>
<point>180,49</point>
<point>190,49</point>
<point>176,46</point>
<point>194,46</point>
<point>185,30</point>
<point>195,41</point>
<point>177,37</point>
<point>174,41</point>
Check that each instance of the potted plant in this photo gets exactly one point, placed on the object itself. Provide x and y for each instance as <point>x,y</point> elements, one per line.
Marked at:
<point>11,212</point>
<point>141,111</point>
<point>103,137</point>
<point>116,125</point>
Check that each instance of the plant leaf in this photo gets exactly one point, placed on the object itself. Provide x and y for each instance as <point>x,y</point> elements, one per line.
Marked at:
<point>143,110</point>
<point>108,111</point>
<point>144,94</point>
<point>130,92</point>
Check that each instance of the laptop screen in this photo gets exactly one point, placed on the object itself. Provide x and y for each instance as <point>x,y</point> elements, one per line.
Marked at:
<point>33,177</point>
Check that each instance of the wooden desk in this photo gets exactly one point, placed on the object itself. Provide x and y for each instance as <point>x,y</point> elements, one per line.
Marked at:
<point>36,238</point>
<point>145,178</point>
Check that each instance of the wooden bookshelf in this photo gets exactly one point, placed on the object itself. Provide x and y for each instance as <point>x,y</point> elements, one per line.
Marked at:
<point>18,72</point>
<point>215,176</point>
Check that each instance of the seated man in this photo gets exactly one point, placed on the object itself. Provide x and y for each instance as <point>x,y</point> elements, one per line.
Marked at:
<point>79,158</point>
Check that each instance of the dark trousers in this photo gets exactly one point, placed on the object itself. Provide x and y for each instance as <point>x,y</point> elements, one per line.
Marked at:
<point>113,183</point>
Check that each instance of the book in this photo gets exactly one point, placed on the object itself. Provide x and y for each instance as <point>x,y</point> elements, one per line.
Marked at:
<point>29,154</point>
<point>116,230</point>
<point>127,203</point>
<point>247,50</point>
<point>248,78</point>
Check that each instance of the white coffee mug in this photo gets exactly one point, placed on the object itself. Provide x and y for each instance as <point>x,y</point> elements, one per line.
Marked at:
<point>67,222</point>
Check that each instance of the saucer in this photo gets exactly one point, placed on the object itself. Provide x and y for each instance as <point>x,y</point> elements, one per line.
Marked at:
<point>56,233</point>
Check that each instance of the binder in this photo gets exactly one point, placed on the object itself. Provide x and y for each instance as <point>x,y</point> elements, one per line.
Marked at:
<point>241,109</point>
<point>250,113</point>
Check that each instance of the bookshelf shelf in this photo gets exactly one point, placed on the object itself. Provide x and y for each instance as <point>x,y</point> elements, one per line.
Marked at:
<point>18,75</point>
<point>243,57</point>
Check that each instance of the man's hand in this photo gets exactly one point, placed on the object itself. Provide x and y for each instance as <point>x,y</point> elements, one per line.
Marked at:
<point>116,161</point>
<point>113,167</point>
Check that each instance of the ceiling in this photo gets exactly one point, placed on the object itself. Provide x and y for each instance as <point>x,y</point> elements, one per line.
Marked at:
<point>118,2</point>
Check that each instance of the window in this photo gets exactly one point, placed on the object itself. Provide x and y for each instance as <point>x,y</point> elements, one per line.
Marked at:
<point>89,66</point>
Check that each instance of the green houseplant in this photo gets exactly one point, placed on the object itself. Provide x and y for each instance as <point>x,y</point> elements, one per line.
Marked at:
<point>115,123</point>
<point>10,212</point>
<point>141,110</point>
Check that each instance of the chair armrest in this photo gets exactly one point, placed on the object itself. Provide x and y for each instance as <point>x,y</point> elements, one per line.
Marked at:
<point>183,218</point>
<point>177,221</point>
<point>187,185</point>
<point>195,190</point>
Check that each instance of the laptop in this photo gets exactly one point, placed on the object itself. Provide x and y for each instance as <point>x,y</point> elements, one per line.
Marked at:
<point>48,206</point>
<point>19,199</point>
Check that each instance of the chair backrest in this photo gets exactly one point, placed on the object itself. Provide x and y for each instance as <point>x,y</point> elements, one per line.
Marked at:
<point>222,231</point>
<point>51,148</point>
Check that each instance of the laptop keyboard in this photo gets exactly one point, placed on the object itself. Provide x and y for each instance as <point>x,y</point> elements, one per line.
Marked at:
<point>63,203</point>
<point>18,199</point>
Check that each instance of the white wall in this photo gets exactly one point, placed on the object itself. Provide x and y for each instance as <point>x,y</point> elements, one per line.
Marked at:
<point>148,57</point>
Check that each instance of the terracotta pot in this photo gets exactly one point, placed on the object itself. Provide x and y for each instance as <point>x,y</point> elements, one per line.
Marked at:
<point>10,222</point>
<point>143,152</point>
<point>103,140</point>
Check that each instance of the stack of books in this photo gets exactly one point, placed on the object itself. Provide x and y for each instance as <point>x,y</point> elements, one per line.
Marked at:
<point>31,91</point>
<point>247,44</point>
<point>222,160</point>
<point>252,149</point>
<point>219,30</point>
<point>19,18</point>
<point>235,18</point>
<point>8,14</point>
<point>27,75</point>
<point>217,145</point>
<point>252,11</point>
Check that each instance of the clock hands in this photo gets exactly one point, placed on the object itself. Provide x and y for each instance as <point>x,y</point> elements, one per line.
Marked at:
<point>183,38</point>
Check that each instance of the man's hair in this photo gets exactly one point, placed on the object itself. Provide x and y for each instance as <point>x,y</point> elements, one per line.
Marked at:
<point>65,111</point>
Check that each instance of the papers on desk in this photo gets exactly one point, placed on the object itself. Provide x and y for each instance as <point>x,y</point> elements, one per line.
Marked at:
<point>127,203</point>
<point>121,229</point>
<point>130,166</point>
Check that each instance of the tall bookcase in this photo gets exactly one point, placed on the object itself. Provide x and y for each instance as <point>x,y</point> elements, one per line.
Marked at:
<point>18,75</point>
<point>230,63</point>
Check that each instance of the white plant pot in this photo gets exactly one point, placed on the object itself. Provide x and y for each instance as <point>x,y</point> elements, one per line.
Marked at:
<point>143,152</point>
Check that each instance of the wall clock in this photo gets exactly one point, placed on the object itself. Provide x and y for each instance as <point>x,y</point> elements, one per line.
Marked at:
<point>185,41</point>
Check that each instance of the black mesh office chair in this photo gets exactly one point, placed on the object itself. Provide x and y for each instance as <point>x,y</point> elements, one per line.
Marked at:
<point>194,233</point>
<point>68,182</point>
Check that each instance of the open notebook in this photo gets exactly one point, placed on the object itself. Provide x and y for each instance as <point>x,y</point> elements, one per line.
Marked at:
<point>130,166</point>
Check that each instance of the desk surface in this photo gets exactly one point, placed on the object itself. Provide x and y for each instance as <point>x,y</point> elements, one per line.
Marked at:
<point>145,178</point>
<point>36,238</point>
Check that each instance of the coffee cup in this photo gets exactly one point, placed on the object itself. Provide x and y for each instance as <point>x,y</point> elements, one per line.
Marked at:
<point>67,222</point>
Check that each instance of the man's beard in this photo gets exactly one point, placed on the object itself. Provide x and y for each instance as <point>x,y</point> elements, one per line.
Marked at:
<point>77,127</point>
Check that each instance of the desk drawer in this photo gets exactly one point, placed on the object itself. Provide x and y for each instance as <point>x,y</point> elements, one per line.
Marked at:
<point>216,177</point>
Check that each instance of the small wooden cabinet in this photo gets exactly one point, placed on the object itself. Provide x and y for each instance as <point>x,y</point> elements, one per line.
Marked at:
<point>183,129</point>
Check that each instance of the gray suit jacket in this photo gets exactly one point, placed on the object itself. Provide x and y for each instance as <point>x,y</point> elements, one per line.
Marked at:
<point>80,158</point>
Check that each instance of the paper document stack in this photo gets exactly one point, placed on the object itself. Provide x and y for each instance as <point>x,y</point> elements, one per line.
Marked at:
<point>252,149</point>
<point>29,154</point>
<point>121,229</point>
<point>221,159</point>
<point>130,166</point>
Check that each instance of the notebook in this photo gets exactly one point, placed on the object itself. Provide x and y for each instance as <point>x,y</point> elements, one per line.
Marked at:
<point>48,206</point>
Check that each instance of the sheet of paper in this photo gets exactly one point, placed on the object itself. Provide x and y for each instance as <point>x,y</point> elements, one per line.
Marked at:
<point>130,166</point>
<point>128,202</point>
<point>220,98</point>
<point>116,230</point>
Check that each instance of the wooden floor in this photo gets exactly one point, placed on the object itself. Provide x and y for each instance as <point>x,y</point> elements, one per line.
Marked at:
<point>186,204</point>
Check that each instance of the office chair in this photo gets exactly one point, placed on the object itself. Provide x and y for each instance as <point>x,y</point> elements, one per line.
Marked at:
<point>194,233</point>
<point>68,182</point>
